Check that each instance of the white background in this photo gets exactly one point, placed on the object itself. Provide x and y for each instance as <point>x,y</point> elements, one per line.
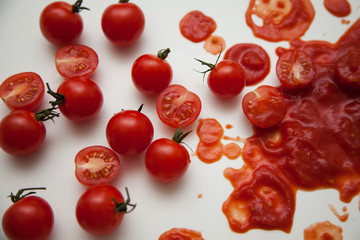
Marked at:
<point>160,207</point>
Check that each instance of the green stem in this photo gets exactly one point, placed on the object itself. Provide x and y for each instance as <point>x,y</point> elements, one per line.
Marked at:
<point>19,195</point>
<point>59,98</point>
<point>123,1</point>
<point>163,53</point>
<point>179,135</point>
<point>47,114</point>
<point>122,207</point>
<point>76,7</point>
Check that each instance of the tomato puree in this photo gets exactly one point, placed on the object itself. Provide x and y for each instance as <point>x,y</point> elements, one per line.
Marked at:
<point>181,234</point>
<point>339,8</point>
<point>323,231</point>
<point>196,26</point>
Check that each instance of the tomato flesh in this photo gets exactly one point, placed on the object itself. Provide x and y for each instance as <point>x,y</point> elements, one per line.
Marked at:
<point>348,69</point>
<point>76,60</point>
<point>96,165</point>
<point>23,91</point>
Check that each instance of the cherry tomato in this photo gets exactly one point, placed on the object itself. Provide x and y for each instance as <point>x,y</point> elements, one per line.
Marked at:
<point>151,74</point>
<point>295,70</point>
<point>96,165</point>
<point>176,106</point>
<point>252,58</point>
<point>29,218</point>
<point>78,98</point>
<point>76,60</point>
<point>123,23</point>
<point>61,23</point>
<point>196,26</point>
<point>348,69</point>
<point>23,91</point>
<point>166,159</point>
<point>101,208</point>
<point>181,234</point>
<point>129,132</point>
<point>264,107</point>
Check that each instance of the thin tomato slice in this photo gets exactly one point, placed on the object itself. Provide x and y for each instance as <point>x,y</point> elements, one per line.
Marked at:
<point>23,91</point>
<point>176,106</point>
<point>264,107</point>
<point>76,60</point>
<point>96,165</point>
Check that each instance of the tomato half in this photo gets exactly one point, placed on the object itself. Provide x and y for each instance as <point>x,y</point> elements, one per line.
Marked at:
<point>21,133</point>
<point>348,69</point>
<point>61,23</point>
<point>295,69</point>
<point>29,218</point>
<point>252,58</point>
<point>176,106</point>
<point>96,165</point>
<point>23,91</point>
<point>76,60</point>
<point>123,23</point>
<point>151,74</point>
<point>181,234</point>
<point>264,107</point>
<point>129,132</point>
<point>101,208</point>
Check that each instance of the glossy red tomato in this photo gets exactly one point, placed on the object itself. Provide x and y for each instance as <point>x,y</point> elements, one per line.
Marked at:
<point>151,74</point>
<point>166,159</point>
<point>23,91</point>
<point>123,23</point>
<point>101,208</point>
<point>21,133</point>
<point>76,60</point>
<point>61,23</point>
<point>295,70</point>
<point>264,107</point>
<point>29,218</point>
<point>348,69</point>
<point>129,132</point>
<point>78,98</point>
<point>176,106</point>
<point>96,165</point>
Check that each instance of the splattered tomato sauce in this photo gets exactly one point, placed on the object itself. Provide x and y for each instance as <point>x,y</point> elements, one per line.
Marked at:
<point>323,231</point>
<point>339,8</point>
<point>181,234</point>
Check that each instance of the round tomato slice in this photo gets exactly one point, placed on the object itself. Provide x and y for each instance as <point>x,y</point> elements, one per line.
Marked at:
<point>176,106</point>
<point>96,165</point>
<point>295,69</point>
<point>76,60</point>
<point>348,69</point>
<point>264,107</point>
<point>252,58</point>
<point>23,91</point>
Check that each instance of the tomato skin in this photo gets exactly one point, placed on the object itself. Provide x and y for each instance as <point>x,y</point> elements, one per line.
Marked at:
<point>21,133</point>
<point>59,24</point>
<point>76,60</point>
<point>83,98</point>
<point>23,91</point>
<point>30,218</point>
<point>227,79</point>
<point>348,70</point>
<point>176,106</point>
<point>166,160</point>
<point>151,74</point>
<point>129,132</point>
<point>123,23</point>
<point>96,165</point>
<point>95,209</point>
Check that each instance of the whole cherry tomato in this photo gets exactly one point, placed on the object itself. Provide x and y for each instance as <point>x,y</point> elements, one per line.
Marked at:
<point>78,98</point>
<point>151,74</point>
<point>123,23</point>
<point>23,91</point>
<point>166,159</point>
<point>101,208</point>
<point>129,132</point>
<point>29,218</point>
<point>61,23</point>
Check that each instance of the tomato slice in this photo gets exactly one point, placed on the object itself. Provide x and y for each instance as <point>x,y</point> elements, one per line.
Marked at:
<point>252,58</point>
<point>348,69</point>
<point>176,106</point>
<point>76,60</point>
<point>23,91</point>
<point>264,107</point>
<point>295,69</point>
<point>96,165</point>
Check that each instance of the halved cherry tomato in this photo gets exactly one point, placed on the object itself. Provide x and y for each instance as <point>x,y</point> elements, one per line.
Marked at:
<point>23,91</point>
<point>196,26</point>
<point>181,234</point>
<point>76,60</point>
<point>348,69</point>
<point>96,165</point>
<point>264,107</point>
<point>295,69</point>
<point>176,106</point>
<point>252,58</point>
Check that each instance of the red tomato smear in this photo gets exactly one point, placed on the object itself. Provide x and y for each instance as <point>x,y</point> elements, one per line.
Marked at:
<point>338,8</point>
<point>181,234</point>
<point>343,217</point>
<point>323,231</point>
